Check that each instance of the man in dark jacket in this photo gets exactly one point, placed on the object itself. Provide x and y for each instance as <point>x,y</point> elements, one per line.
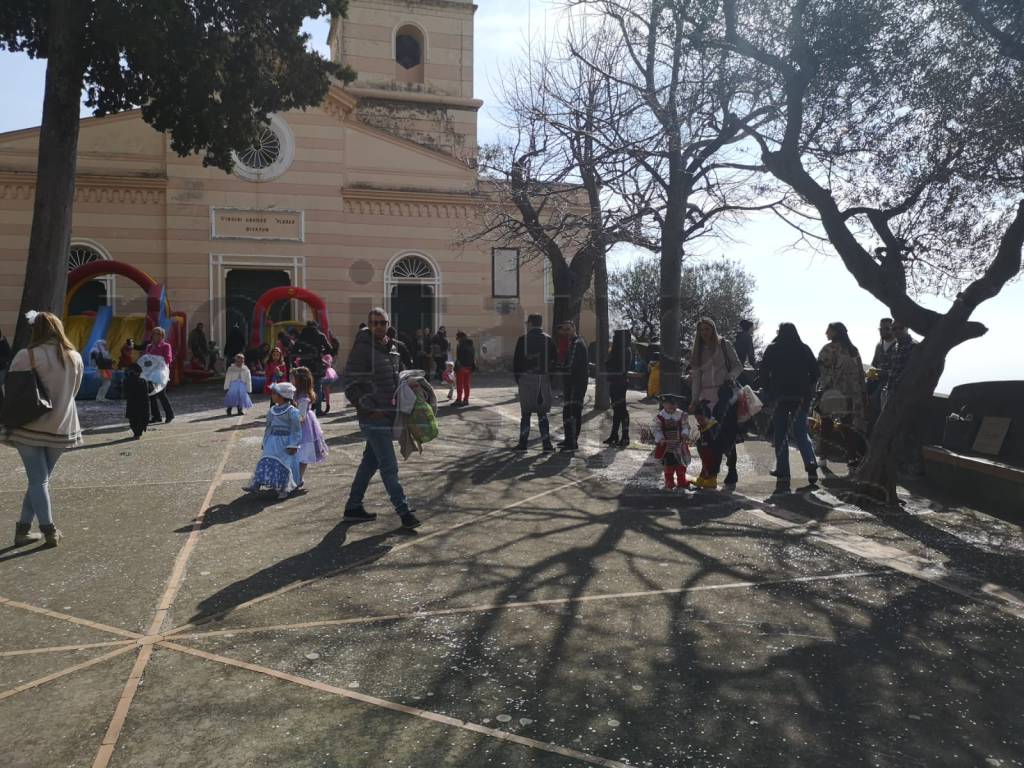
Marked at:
<point>532,366</point>
<point>371,385</point>
<point>744,344</point>
<point>575,377</point>
<point>403,350</point>
<point>789,375</point>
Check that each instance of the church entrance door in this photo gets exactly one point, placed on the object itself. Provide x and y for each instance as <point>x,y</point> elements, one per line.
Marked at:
<point>243,287</point>
<point>412,309</point>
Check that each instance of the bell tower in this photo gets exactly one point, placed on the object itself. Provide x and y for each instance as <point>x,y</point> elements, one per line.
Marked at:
<point>414,62</point>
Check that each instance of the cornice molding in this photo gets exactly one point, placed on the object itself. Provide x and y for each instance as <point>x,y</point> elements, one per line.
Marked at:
<point>436,99</point>
<point>423,205</point>
<point>91,188</point>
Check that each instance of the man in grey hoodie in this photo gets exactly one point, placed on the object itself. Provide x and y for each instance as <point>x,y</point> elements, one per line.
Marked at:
<point>371,383</point>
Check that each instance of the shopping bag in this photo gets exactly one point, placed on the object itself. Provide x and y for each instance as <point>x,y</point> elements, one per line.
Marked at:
<point>749,404</point>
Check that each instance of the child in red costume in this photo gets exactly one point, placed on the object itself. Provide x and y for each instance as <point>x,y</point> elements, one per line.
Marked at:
<point>276,370</point>
<point>672,442</point>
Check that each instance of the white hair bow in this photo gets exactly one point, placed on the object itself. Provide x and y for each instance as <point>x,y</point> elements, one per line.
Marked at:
<point>31,316</point>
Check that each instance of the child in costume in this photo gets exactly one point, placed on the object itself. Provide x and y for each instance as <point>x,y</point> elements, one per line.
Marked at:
<point>448,377</point>
<point>709,429</point>
<point>276,370</point>
<point>126,357</point>
<point>672,440</point>
<point>278,467</point>
<point>136,394</point>
<point>329,378</point>
<point>313,449</point>
<point>238,385</point>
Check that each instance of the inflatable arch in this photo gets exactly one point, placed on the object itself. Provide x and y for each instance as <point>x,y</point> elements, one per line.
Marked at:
<point>285,293</point>
<point>158,313</point>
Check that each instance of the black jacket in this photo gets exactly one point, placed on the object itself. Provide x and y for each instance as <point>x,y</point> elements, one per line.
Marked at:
<point>577,364</point>
<point>371,373</point>
<point>403,352</point>
<point>465,355</point>
<point>535,353</point>
<point>789,371</point>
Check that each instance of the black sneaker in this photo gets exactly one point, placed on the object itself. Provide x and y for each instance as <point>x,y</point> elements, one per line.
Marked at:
<point>358,515</point>
<point>568,448</point>
<point>520,446</point>
<point>731,478</point>
<point>409,521</point>
<point>812,474</point>
<point>548,447</point>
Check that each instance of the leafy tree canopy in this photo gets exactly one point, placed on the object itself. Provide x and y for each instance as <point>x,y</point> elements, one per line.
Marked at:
<point>719,289</point>
<point>208,72</point>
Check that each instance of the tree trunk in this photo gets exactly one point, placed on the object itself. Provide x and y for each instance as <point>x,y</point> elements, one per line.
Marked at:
<point>878,472</point>
<point>602,399</point>
<point>46,270</point>
<point>671,284</point>
<point>571,282</point>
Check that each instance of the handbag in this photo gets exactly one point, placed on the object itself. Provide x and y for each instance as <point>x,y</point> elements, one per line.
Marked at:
<point>832,401</point>
<point>25,397</point>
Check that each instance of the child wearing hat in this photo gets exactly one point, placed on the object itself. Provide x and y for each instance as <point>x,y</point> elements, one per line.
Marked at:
<point>278,467</point>
<point>672,441</point>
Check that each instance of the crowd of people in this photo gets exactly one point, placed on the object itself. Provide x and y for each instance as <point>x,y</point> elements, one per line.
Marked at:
<point>383,379</point>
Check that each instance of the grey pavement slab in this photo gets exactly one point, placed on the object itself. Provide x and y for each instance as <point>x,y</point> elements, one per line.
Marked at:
<point>62,723</point>
<point>193,712</point>
<point>561,600</point>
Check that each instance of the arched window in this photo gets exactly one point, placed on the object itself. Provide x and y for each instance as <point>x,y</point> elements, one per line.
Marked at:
<point>410,54</point>
<point>412,267</point>
<point>95,293</point>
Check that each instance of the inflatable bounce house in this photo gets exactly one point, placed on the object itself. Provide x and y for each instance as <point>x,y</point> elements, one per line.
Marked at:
<point>86,329</point>
<point>265,332</point>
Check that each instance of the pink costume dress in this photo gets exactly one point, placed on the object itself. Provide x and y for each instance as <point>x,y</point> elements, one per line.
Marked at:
<point>313,449</point>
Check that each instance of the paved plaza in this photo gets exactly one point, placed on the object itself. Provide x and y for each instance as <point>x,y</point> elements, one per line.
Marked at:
<point>553,610</point>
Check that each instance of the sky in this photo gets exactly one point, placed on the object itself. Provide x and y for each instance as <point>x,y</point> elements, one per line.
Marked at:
<point>793,283</point>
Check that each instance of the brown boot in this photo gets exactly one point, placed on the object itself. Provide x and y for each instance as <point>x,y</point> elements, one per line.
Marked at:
<point>23,535</point>
<point>51,535</point>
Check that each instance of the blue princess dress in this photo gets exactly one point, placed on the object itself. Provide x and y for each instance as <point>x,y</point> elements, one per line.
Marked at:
<point>278,469</point>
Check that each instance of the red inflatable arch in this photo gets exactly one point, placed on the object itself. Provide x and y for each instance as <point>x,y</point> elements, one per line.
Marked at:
<point>156,298</point>
<point>285,293</point>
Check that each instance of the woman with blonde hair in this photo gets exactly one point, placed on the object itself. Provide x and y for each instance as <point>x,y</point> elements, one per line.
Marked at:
<point>714,368</point>
<point>42,441</point>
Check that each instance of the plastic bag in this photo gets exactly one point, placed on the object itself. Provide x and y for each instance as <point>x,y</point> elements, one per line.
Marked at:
<point>749,404</point>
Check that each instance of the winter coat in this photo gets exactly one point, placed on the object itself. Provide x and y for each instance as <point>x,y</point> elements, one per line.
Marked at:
<point>576,369</point>
<point>789,372</point>
<point>136,396</point>
<point>532,364</point>
<point>843,371</point>
<point>465,355</point>
<point>371,377</point>
<point>744,346</point>
<point>61,374</point>
<point>235,373</point>
<point>713,371</point>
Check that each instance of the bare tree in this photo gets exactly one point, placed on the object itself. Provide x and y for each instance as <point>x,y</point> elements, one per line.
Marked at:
<point>560,191</point>
<point>695,105</point>
<point>900,128</point>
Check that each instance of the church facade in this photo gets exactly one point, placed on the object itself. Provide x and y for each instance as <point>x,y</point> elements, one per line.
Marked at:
<point>365,200</point>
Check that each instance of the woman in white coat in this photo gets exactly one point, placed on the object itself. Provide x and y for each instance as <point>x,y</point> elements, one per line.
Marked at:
<point>41,442</point>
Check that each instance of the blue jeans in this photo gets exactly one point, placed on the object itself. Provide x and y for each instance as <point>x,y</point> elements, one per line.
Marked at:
<point>797,411</point>
<point>542,424</point>
<point>39,463</point>
<point>379,454</point>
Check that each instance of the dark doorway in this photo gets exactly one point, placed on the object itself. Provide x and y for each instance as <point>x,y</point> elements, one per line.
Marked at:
<point>89,298</point>
<point>243,288</point>
<point>412,308</point>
